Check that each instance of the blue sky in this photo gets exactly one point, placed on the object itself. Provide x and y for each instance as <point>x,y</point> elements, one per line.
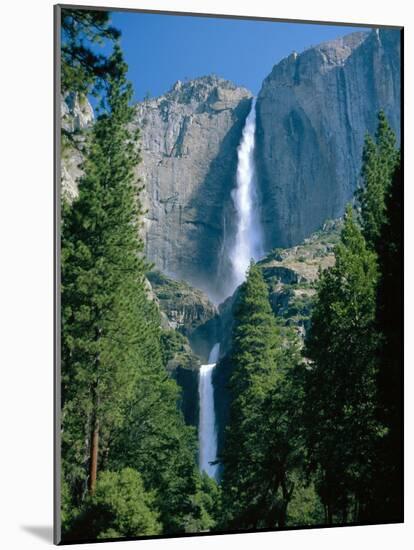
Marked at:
<point>161,49</point>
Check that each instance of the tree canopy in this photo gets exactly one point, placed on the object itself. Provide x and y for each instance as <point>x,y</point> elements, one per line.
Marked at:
<point>84,69</point>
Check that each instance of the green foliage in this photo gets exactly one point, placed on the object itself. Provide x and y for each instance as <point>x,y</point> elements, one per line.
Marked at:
<point>388,492</point>
<point>67,511</point>
<point>211,498</point>
<point>206,505</point>
<point>120,507</point>
<point>83,70</point>
<point>102,286</point>
<point>381,218</point>
<point>352,410</point>
<point>305,508</point>
<point>155,441</point>
<point>340,424</point>
<point>337,413</point>
<point>261,447</point>
<point>379,160</point>
<point>172,343</point>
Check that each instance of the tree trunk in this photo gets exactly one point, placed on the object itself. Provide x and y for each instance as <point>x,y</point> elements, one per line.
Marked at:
<point>93,461</point>
<point>330,514</point>
<point>282,515</point>
<point>287,495</point>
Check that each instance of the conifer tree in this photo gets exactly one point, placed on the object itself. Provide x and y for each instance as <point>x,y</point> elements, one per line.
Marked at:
<point>120,507</point>
<point>389,315</point>
<point>155,441</point>
<point>340,424</point>
<point>258,441</point>
<point>280,434</point>
<point>381,219</point>
<point>102,273</point>
<point>379,159</point>
<point>84,70</point>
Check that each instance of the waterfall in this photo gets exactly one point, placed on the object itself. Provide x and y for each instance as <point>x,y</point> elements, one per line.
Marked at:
<point>207,430</point>
<point>247,245</point>
<point>248,242</point>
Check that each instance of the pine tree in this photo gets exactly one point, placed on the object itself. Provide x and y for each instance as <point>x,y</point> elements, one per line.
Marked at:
<point>379,159</point>
<point>280,434</point>
<point>120,507</point>
<point>340,424</point>
<point>84,70</point>
<point>389,315</point>
<point>259,439</point>
<point>381,219</point>
<point>155,441</point>
<point>102,273</point>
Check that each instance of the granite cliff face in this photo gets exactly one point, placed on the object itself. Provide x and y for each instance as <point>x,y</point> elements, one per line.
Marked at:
<point>185,307</point>
<point>189,140</point>
<point>76,117</point>
<point>313,111</point>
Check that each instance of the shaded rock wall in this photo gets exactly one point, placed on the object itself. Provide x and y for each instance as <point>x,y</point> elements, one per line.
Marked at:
<point>313,111</point>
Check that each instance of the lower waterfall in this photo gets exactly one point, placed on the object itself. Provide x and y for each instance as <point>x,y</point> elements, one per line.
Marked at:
<point>207,429</point>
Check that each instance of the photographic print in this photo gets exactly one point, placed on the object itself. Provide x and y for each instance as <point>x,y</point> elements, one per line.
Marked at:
<point>229,274</point>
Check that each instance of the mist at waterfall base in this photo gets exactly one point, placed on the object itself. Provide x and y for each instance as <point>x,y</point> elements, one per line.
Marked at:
<point>247,245</point>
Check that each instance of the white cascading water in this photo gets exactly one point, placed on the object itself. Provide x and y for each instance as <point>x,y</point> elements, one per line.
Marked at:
<point>249,237</point>
<point>207,428</point>
<point>248,245</point>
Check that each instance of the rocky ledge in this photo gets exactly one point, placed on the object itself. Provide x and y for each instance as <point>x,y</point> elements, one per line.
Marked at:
<point>291,275</point>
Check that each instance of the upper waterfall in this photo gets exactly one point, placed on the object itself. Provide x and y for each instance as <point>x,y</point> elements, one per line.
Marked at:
<point>248,242</point>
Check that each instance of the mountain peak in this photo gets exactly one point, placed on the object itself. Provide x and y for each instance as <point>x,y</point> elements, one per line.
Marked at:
<point>204,89</point>
<point>339,49</point>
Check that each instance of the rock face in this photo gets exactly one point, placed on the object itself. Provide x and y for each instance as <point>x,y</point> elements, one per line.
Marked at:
<point>190,323</point>
<point>291,275</point>
<point>183,365</point>
<point>313,111</point>
<point>76,113</point>
<point>189,140</point>
<point>76,117</point>
<point>186,308</point>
